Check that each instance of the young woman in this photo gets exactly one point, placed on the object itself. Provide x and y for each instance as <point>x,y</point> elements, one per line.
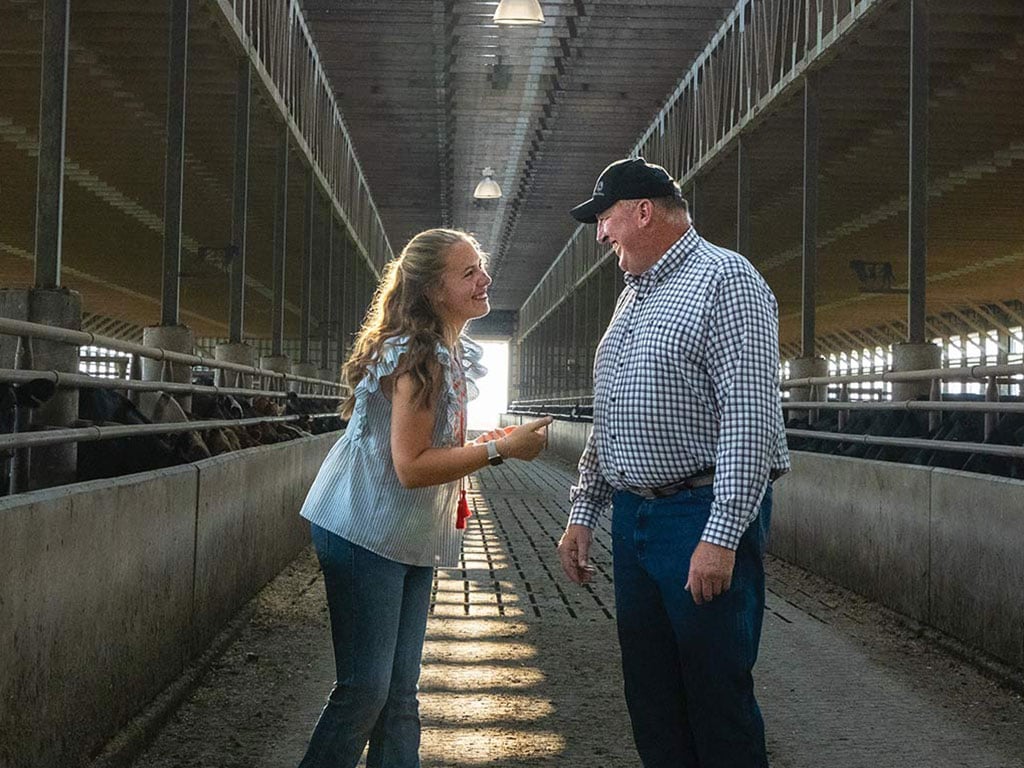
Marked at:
<point>384,506</point>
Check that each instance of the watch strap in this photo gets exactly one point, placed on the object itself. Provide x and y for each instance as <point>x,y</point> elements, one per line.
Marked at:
<point>494,458</point>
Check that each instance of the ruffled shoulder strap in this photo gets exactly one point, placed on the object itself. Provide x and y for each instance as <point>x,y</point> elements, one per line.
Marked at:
<point>471,354</point>
<point>391,350</point>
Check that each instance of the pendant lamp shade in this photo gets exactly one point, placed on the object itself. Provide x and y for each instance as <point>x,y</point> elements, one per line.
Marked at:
<point>488,188</point>
<point>519,12</point>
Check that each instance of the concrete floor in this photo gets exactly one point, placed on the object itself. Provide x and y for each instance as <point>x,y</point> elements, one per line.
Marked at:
<point>521,667</point>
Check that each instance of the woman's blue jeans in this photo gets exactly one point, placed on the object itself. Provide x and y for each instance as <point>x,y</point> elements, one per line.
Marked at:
<point>378,621</point>
<point>687,667</point>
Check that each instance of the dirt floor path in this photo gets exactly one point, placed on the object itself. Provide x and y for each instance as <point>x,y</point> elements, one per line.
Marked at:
<point>521,667</point>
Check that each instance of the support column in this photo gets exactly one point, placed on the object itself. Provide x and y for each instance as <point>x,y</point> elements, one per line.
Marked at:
<point>917,225</point>
<point>176,338</point>
<point>914,357</point>
<point>302,369</point>
<point>805,368</point>
<point>53,110</point>
<point>693,200</point>
<point>280,245</point>
<point>1002,347</point>
<point>810,233</point>
<point>240,200</point>
<point>338,306</point>
<point>326,262</point>
<point>742,197</point>
<point>307,272</point>
<point>174,164</point>
<point>61,308</point>
<point>278,364</point>
<point>234,352</point>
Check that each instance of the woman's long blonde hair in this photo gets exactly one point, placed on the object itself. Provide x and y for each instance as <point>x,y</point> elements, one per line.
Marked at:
<point>402,306</point>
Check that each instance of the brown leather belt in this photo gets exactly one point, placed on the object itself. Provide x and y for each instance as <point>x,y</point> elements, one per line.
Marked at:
<point>697,481</point>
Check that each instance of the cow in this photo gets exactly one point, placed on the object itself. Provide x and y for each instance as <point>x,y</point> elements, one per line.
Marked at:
<point>127,455</point>
<point>957,426</point>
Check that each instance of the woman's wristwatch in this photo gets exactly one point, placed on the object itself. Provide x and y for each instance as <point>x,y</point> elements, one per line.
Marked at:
<point>493,457</point>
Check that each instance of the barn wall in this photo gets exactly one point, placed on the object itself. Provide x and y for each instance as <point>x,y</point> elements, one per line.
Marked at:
<point>109,588</point>
<point>941,546</point>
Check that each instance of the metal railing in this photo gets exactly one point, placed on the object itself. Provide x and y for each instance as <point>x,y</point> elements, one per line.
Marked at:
<point>758,55</point>
<point>26,330</point>
<point>935,406</point>
<point>276,37</point>
<point>17,441</point>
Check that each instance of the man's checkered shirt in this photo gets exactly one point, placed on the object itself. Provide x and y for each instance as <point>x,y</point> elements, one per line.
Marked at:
<point>686,378</point>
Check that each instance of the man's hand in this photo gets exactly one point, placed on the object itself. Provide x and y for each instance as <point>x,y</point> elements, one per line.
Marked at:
<point>710,572</point>
<point>573,551</point>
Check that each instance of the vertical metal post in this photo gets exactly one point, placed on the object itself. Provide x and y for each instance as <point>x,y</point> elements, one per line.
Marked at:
<point>917,225</point>
<point>325,292</point>
<point>743,197</point>
<point>240,201</point>
<point>341,295</point>
<point>337,266</point>
<point>693,200</point>
<point>307,271</point>
<point>53,114</point>
<point>174,163</point>
<point>810,235</point>
<point>991,396</point>
<point>280,244</point>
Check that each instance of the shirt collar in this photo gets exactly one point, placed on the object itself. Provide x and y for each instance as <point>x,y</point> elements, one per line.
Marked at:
<point>669,262</point>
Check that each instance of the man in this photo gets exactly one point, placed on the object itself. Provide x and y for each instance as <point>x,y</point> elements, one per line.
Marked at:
<point>688,434</point>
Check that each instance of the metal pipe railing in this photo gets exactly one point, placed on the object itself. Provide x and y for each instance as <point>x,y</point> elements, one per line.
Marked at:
<point>928,406</point>
<point>1012,451</point>
<point>908,405</point>
<point>22,328</point>
<point>90,434</point>
<point>80,380</point>
<point>959,373</point>
<point>583,399</point>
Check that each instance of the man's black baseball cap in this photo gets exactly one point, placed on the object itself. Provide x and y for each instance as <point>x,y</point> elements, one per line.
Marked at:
<point>630,179</point>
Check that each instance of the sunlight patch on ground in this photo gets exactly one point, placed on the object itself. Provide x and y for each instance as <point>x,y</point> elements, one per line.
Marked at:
<point>471,708</point>
<point>469,626</point>
<point>480,677</point>
<point>434,650</point>
<point>488,746</point>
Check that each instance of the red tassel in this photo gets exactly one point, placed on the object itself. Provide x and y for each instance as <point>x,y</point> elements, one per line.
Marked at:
<point>463,511</point>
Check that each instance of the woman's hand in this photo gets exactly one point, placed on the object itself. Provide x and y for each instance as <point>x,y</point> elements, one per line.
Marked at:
<point>525,442</point>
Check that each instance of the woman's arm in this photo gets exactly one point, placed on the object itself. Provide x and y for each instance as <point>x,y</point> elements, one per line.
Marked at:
<point>419,464</point>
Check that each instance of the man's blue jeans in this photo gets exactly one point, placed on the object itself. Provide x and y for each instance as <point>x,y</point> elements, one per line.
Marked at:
<point>687,667</point>
<point>378,621</point>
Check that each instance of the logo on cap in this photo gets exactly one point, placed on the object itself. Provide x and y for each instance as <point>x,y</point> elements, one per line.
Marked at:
<point>599,189</point>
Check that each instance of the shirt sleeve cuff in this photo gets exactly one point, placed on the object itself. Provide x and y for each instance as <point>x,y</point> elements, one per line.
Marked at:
<point>585,512</point>
<point>724,529</point>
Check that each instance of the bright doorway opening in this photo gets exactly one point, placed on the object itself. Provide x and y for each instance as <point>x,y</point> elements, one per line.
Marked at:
<point>493,400</point>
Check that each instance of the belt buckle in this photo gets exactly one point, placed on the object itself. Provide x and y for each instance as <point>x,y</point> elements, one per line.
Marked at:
<point>669,490</point>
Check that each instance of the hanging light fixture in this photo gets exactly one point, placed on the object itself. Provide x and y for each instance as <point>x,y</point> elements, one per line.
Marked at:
<point>519,12</point>
<point>488,188</point>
